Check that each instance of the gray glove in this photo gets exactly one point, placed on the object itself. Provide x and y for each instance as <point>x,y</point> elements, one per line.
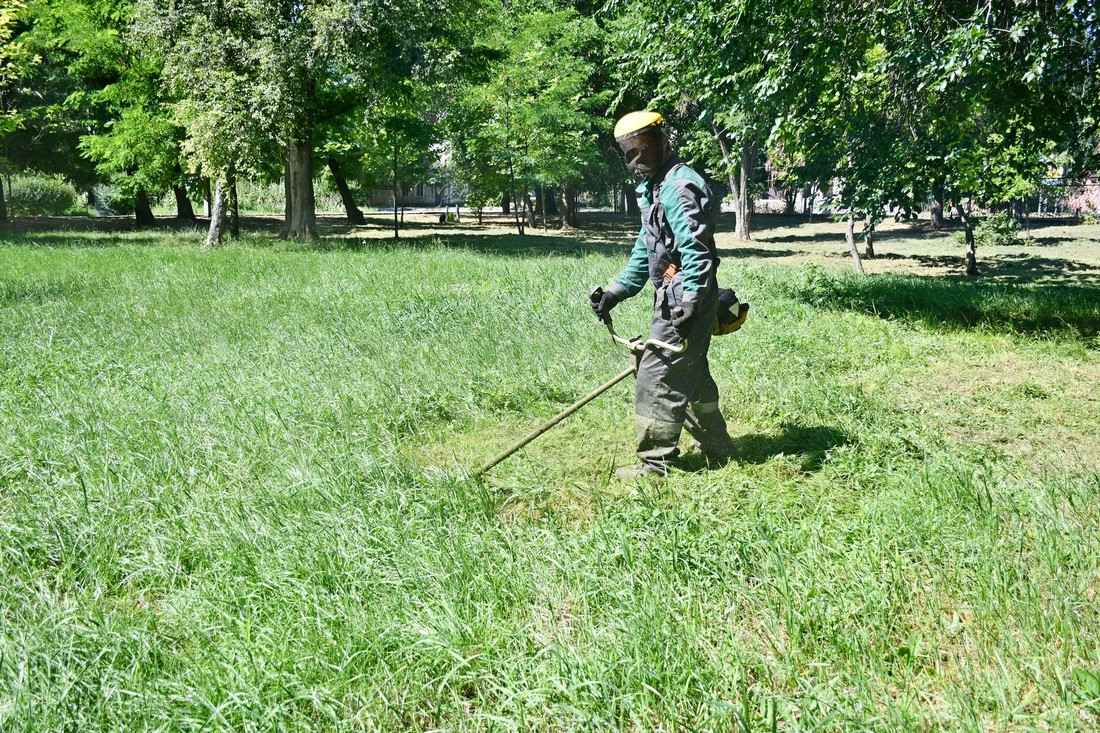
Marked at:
<point>681,316</point>
<point>602,301</point>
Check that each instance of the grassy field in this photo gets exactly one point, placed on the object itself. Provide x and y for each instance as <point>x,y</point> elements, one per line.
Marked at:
<point>235,493</point>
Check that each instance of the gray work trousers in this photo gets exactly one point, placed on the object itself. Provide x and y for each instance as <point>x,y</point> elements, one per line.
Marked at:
<point>674,390</point>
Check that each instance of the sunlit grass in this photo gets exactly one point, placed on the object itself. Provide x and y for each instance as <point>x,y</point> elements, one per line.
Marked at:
<point>233,495</point>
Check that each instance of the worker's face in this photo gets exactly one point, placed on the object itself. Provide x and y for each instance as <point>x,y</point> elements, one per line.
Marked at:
<point>643,154</point>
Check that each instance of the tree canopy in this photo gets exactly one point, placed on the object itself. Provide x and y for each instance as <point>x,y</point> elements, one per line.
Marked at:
<point>960,106</point>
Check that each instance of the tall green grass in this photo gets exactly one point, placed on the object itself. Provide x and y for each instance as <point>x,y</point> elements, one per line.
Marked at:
<point>234,495</point>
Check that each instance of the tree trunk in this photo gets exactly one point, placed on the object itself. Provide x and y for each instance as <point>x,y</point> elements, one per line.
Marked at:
<point>184,210</point>
<point>300,221</point>
<point>217,218</point>
<point>206,197</point>
<point>744,201</point>
<point>851,237</point>
<point>354,214</point>
<point>869,239</point>
<point>234,209</point>
<point>528,210</point>
<point>3,205</point>
<point>968,232</point>
<point>569,216</point>
<point>396,221</point>
<point>505,204</point>
<point>143,212</point>
<point>396,191</point>
<point>1018,210</point>
<point>515,199</point>
<point>936,210</point>
<point>518,215</point>
<point>629,195</point>
<point>740,179</point>
<point>542,205</point>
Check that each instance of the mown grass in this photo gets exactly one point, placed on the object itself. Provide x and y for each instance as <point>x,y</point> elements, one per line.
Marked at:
<point>234,494</point>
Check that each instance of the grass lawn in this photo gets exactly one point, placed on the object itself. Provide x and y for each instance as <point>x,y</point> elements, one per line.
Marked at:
<point>235,493</point>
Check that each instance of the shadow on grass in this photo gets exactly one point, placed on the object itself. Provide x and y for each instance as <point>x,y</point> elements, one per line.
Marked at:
<point>99,240</point>
<point>810,444</point>
<point>508,245</point>
<point>1057,297</point>
<point>815,238</point>
<point>12,293</point>
<point>1018,269</point>
<point>736,253</point>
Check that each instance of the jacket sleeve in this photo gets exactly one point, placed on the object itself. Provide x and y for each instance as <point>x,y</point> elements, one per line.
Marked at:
<point>688,208</point>
<point>635,275</point>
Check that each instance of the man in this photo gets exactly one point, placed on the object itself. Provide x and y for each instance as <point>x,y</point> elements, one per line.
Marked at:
<point>674,250</point>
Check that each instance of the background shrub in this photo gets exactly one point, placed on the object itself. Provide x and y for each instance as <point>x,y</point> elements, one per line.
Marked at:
<point>270,198</point>
<point>999,229</point>
<point>37,195</point>
<point>110,201</point>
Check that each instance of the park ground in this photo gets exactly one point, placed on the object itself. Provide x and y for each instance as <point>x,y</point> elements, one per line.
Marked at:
<point>235,486</point>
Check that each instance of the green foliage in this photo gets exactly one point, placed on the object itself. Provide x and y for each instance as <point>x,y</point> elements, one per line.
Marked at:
<point>536,116</point>
<point>398,144</point>
<point>139,149</point>
<point>16,60</point>
<point>269,198</point>
<point>113,199</point>
<point>38,195</point>
<point>718,67</point>
<point>997,230</point>
<point>105,88</point>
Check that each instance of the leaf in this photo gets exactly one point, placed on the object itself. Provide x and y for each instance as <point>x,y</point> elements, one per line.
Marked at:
<point>1088,684</point>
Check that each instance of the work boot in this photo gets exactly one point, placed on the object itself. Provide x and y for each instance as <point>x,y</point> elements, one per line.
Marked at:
<point>708,427</point>
<point>657,447</point>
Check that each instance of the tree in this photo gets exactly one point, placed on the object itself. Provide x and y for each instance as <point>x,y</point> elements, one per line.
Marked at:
<point>843,124</point>
<point>726,65</point>
<point>100,94</point>
<point>15,60</point>
<point>342,147</point>
<point>989,91</point>
<point>398,147</point>
<point>139,147</point>
<point>287,58</point>
<point>533,120</point>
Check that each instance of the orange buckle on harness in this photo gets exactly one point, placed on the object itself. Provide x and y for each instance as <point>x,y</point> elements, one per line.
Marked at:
<point>670,272</point>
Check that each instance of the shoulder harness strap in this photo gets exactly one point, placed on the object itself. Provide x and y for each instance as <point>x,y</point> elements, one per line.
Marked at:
<point>661,207</point>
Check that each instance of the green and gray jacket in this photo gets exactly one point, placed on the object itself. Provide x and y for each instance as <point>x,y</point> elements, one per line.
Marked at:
<point>679,230</point>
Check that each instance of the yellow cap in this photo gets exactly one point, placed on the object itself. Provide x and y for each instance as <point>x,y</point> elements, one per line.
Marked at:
<point>634,122</point>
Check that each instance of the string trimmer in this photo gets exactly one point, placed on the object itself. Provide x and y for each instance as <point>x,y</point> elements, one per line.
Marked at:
<point>636,346</point>
<point>731,316</point>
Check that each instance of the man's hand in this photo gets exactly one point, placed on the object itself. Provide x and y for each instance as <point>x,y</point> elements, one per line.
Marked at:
<point>602,301</point>
<point>681,316</point>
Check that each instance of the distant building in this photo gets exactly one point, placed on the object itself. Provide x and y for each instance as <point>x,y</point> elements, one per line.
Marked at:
<point>419,194</point>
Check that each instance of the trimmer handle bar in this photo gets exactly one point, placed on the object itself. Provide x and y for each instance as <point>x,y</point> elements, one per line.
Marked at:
<point>636,345</point>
